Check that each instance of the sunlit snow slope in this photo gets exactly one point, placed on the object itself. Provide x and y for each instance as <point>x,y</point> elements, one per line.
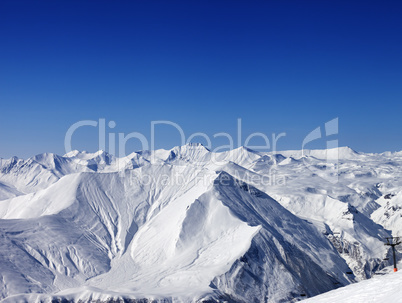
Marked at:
<point>187,225</point>
<point>380,289</point>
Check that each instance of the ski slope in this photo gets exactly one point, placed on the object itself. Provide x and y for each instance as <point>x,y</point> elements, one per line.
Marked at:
<point>378,289</point>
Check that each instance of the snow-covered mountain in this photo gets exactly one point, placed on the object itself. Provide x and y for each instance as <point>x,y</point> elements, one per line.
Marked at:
<point>189,225</point>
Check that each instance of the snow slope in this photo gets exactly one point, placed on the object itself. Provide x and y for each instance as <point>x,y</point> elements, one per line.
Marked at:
<point>389,214</point>
<point>188,224</point>
<point>379,289</point>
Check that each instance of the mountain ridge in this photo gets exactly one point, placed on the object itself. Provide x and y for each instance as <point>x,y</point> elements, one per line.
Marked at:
<point>146,225</point>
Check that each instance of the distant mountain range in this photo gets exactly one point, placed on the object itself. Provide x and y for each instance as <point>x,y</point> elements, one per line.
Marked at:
<point>191,225</point>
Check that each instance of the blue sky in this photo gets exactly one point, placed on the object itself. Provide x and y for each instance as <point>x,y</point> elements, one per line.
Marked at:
<point>280,66</point>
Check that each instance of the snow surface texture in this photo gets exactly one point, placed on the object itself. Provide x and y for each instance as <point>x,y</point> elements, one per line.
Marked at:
<point>382,288</point>
<point>189,225</point>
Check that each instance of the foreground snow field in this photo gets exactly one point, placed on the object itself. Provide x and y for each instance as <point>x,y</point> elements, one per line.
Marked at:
<point>187,225</point>
<point>385,288</point>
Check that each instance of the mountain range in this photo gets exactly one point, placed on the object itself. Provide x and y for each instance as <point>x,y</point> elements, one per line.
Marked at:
<point>192,225</point>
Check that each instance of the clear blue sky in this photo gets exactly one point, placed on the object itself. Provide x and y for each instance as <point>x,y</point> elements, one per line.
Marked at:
<point>280,66</point>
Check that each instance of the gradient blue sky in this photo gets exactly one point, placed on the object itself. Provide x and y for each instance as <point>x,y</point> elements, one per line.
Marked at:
<point>280,66</point>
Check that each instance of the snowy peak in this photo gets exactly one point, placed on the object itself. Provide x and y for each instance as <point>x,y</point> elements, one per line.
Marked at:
<point>84,158</point>
<point>225,179</point>
<point>189,224</point>
<point>278,228</point>
<point>195,145</point>
<point>329,154</point>
<point>192,152</point>
<point>180,233</point>
<point>48,201</point>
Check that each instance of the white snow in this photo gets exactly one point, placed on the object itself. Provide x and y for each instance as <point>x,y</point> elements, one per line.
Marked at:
<point>188,224</point>
<point>376,290</point>
<point>44,202</point>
